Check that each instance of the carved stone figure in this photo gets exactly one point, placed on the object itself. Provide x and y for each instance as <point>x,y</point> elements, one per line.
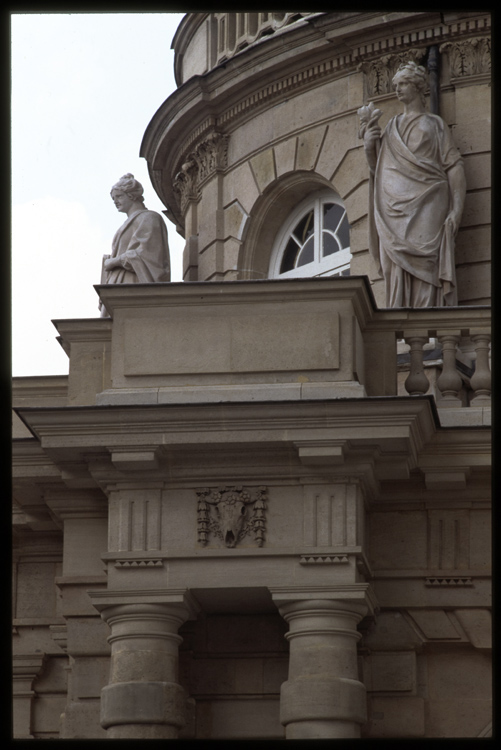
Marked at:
<point>140,248</point>
<point>418,196</point>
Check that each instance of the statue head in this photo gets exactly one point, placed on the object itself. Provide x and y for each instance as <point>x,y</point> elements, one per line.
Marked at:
<point>131,187</point>
<point>412,73</point>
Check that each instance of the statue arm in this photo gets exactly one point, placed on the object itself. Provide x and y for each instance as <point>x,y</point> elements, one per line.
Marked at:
<point>457,188</point>
<point>372,138</point>
<point>110,263</point>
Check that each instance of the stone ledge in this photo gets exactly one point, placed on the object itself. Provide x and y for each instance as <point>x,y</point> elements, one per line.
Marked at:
<point>225,393</point>
<point>472,416</point>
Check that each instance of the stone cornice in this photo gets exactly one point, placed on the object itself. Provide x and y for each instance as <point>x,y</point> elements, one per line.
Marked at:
<point>356,288</point>
<point>82,329</point>
<point>39,386</point>
<point>173,420</point>
<point>372,427</point>
<point>28,454</point>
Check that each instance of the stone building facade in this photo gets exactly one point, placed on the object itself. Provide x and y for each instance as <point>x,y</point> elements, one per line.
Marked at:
<point>244,514</point>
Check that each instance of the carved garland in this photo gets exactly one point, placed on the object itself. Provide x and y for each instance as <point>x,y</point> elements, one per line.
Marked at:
<point>224,512</point>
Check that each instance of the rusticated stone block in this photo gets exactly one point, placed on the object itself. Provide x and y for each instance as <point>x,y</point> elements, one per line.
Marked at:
<point>391,632</point>
<point>393,671</point>
<point>308,148</point>
<point>143,703</point>
<point>313,699</point>
<point>391,716</point>
<point>263,167</point>
<point>464,675</point>
<point>230,719</point>
<point>457,718</point>
<point>80,720</point>
<point>285,155</point>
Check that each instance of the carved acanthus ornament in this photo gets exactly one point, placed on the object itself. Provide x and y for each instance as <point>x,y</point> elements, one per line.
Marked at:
<point>379,73</point>
<point>185,182</point>
<point>469,57</point>
<point>209,156</point>
<point>231,513</point>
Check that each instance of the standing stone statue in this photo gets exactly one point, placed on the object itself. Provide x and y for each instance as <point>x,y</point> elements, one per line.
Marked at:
<point>140,248</point>
<point>418,197</point>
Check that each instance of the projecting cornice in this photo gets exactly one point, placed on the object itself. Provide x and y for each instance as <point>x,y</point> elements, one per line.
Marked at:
<point>340,437</point>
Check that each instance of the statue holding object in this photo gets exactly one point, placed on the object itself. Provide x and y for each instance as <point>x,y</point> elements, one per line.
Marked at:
<point>140,248</point>
<point>417,191</point>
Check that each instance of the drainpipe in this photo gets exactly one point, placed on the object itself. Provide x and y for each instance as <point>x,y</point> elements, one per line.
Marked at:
<point>433,70</point>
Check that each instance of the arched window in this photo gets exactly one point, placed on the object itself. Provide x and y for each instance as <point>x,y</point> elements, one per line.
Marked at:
<point>314,241</point>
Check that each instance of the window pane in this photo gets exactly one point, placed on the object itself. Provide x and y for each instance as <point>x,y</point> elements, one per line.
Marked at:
<point>289,256</point>
<point>332,216</point>
<point>306,254</point>
<point>329,244</point>
<point>304,228</point>
<point>343,233</point>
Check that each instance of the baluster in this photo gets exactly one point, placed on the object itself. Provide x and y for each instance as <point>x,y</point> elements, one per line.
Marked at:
<point>449,383</point>
<point>417,383</point>
<point>481,379</point>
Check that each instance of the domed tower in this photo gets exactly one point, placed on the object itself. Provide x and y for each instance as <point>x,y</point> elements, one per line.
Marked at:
<point>257,155</point>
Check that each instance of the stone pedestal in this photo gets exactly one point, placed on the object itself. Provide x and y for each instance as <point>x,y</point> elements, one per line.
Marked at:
<point>144,699</point>
<point>323,697</point>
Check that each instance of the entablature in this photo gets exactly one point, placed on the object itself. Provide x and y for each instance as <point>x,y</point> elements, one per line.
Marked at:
<point>375,440</point>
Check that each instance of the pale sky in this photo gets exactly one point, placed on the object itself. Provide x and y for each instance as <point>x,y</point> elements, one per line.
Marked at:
<point>84,88</point>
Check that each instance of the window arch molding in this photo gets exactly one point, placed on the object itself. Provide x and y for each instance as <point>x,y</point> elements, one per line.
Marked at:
<point>267,217</point>
<point>314,240</point>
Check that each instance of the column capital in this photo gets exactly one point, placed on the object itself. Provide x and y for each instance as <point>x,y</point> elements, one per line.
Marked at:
<point>357,597</point>
<point>116,603</point>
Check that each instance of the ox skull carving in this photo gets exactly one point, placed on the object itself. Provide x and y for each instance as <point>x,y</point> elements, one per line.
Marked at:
<point>236,512</point>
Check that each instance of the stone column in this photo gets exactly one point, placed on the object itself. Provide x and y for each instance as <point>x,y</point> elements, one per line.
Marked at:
<point>323,697</point>
<point>143,699</point>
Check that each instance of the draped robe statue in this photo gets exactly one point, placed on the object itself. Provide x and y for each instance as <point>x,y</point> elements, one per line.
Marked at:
<point>140,248</point>
<point>418,198</point>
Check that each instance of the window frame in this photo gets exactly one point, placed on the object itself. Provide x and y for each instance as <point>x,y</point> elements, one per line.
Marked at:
<point>321,266</point>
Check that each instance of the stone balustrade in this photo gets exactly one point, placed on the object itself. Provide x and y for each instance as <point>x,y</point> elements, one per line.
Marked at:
<point>450,382</point>
<point>454,341</point>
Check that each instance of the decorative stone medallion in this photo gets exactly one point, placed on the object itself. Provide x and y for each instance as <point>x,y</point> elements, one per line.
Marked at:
<point>231,513</point>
